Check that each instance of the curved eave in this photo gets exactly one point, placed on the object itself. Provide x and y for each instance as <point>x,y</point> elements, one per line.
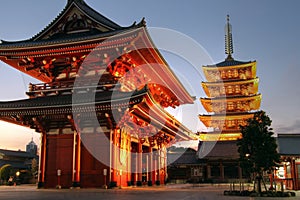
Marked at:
<point>209,86</point>
<point>210,104</point>
<point>84,8</point>
<point>233,82</point>
<point>170,80</point>
<point>137,38</point>
<point>217,70</point>
<point>54,48</point>
<point>222,118</point>
<point>66,104</point>
<point>229,63</point>
<point>215,136</point>
<point>40,45</point>
<point>231,99</point>
<point>93,15</point>
<point>163,120</point>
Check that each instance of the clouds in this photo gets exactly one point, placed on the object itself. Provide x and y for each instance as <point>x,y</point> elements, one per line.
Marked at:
<point>286,128</point>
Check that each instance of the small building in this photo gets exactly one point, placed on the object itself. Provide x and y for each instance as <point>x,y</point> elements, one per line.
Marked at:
<point>21,160</point>
<point>184,166</point>
<point>289,171</point>
<point>221,163</point>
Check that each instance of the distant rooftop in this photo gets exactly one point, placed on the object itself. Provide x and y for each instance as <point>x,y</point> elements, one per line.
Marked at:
<point>220,150</point>
<point>288,144</point>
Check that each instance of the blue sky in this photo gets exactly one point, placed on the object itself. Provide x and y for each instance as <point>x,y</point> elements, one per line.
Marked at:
<point>263,30</point>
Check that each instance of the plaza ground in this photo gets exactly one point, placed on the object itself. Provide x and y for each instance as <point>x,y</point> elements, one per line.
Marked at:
<point>174,192</point>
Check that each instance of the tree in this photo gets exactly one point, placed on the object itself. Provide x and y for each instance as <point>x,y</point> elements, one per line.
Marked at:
<point>257,147</point>
<point>34,167</point>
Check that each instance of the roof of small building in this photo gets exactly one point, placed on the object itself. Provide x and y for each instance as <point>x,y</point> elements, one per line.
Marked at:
<point>187,157</point>
<point>213,150</point>
<point>288,144</point>
<point>11,153</point>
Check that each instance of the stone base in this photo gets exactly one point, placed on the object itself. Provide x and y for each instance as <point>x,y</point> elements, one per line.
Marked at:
<point>76,184</point>
<point>40,185</point>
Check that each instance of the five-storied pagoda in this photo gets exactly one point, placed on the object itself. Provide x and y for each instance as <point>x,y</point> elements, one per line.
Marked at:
<point>232,90</point>
<point>92,68</point>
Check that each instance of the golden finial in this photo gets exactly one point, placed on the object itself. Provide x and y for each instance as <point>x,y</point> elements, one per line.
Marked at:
<point>228,40</point>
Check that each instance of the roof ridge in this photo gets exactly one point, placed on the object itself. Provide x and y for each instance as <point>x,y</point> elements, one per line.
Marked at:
<point>71,1</point>
<point>85,8</point>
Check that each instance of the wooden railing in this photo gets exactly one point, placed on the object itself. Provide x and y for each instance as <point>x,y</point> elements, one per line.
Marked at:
<point>67,87</point>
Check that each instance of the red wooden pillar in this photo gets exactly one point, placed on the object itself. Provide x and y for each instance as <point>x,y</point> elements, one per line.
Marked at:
<point>76,160</point>
<point>151,167</point>
<point>42,161</point>
<point>140,163</point>
<point>158,165</point>
<point>163,162</point>
<point>128,152</point>
<point>114,156</point>
<point>154,165</point>
<point>294,174</point>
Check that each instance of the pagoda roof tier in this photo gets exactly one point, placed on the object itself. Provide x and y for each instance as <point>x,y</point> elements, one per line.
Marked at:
<point>232,104</point>
<point>230,62</point>
<point>224,135</point>
<point>138,110</point>
<point>242,71</point>
<point>226,121</point>
<point>231,88</point>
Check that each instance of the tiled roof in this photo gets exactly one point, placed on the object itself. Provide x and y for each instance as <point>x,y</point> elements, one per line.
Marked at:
<point>68,100</point>
<point>188,157</point>
<point>11,153</point>
<point>220,150</point>
<point>230,114</point>
<point>86,9</point>
<point>288,144</point>
<point>74,37</point>
<point>60,40</point>
<point>229,62</point>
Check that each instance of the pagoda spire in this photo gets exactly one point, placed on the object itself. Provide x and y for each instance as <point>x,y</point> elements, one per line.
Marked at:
<point>228,40</point>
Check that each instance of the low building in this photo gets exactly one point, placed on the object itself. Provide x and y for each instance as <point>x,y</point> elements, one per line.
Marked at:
<point>184,166</point>
<point>289,171</point>
<point>221,161</point>
<point>21,161</point>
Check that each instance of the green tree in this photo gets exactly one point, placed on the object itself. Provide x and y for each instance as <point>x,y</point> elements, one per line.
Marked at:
<point>5,172</point>
<point>34,167</point>
<point>258,148</point>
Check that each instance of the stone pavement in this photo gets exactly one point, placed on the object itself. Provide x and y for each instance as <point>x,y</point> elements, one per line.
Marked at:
<point>169,192</point>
